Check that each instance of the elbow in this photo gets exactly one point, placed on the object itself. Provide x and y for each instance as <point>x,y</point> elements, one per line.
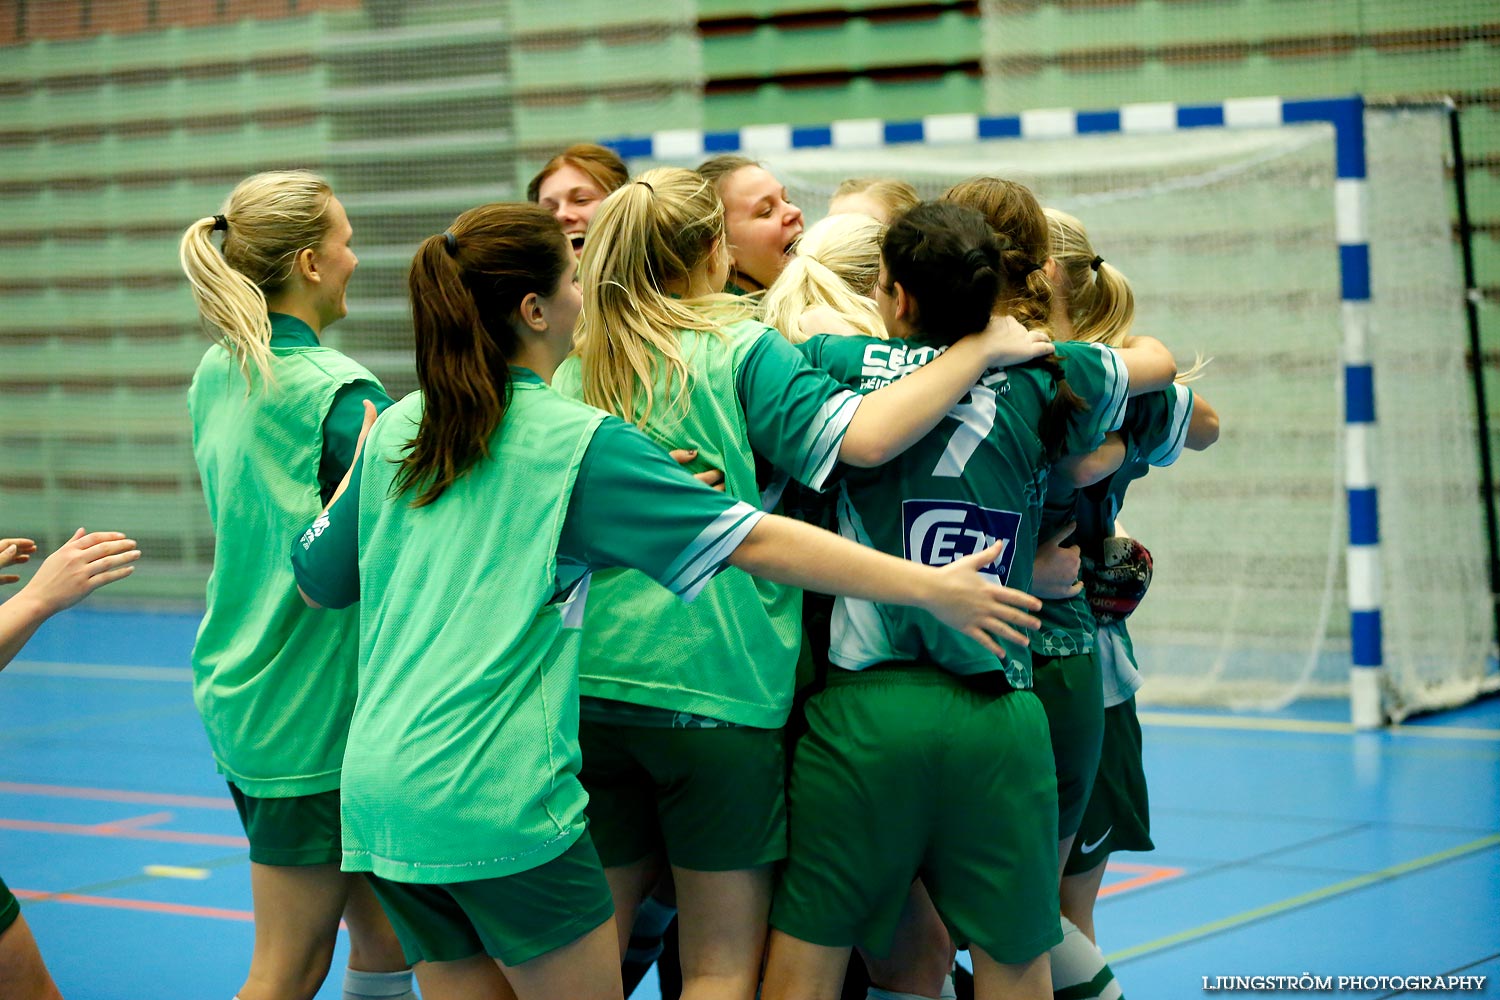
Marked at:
<point>307,600</point>
<point>1204,432</point>
<point>865,454</point>
<point>1089,471</point>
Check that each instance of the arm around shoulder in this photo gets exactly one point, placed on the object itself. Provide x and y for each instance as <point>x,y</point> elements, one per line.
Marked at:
<point>1203,425</point>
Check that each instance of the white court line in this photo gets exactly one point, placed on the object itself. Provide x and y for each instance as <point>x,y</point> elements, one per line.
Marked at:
<point>1172,719</point>
<point>98,671</point>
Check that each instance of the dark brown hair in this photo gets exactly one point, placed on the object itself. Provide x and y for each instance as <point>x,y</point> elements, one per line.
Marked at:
<point>466,285</point>
<point>602,164</point>
<point>946,259</point>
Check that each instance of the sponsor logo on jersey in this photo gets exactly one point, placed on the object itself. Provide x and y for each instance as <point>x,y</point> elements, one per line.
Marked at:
<point>884,363</point>
<point>938,532</point>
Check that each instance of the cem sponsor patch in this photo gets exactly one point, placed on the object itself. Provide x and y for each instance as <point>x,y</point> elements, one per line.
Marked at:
<point>938,532</point>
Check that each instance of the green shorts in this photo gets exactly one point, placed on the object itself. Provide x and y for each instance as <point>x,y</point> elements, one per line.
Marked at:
<point>708,799</point>
<point>302,830</point>
<point>1118,817</point>
<point>514,919</point>
<point>905,772</point>
<point>10,909</point>
<point>1073,695</point>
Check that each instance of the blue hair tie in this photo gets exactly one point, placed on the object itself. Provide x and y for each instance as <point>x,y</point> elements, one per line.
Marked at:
<point>452,242</point>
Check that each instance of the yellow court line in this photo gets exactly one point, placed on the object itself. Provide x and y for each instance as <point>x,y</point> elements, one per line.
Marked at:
<point>1305,899</point>
<point>1183,721</point>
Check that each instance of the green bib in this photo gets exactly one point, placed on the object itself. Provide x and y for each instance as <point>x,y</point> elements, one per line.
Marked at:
<point>463,751</point>
<point>732,653</point>
<point>273,679</point>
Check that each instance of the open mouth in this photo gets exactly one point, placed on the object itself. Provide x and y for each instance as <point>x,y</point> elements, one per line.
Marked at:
<point>791,248</point>
<point>577,240</point>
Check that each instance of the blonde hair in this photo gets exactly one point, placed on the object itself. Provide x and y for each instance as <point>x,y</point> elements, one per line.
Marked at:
<point>895,196</point>
<point>836,264</point>
<point>1101,303</point>
<point>267,220</point>
<point>659,230</point>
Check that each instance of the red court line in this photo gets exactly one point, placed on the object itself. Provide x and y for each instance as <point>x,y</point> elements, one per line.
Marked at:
<point>146,905</point>
<point>135,822</point>
<point>1150,874</point>
<point>107,830</point>
<point>115,795</point>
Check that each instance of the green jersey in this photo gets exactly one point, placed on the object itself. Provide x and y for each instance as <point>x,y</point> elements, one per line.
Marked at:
<point>977,478</point>
<point>463,751</point>
<point>273,680</point>
<point>1155,430</point>
<point>732,654</point>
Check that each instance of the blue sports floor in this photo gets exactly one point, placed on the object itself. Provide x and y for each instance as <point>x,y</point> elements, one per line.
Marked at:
<point>1286,844</point>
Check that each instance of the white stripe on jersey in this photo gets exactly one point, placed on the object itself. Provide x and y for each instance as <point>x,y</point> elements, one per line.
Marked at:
<point>1182,413</point>
<point>858,636</point>
<point>1116,389</point>
<point>820,450</point>
<point>705,555</point>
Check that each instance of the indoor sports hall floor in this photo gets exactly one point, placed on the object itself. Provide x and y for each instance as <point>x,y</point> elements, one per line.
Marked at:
<point>1286,844</point>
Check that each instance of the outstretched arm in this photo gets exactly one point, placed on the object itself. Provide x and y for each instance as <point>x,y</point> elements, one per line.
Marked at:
<point>791,552</point>
<point>82,565</point>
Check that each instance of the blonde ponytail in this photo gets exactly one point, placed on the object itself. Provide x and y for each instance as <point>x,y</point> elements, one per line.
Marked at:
<point>835,266</point>
<point>267,220</point>
<point>656,232</point>
<point>1101,302</point>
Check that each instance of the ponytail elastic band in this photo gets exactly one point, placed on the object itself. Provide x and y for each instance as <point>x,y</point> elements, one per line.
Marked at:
<point>452,242</point>
<point>221,224</point>
<point>645,185</point>
<point>1096,262</point>
<point>976,259</point>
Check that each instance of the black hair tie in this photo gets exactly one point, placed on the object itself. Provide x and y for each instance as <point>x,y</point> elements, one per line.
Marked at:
<point>221,224</point>
<point>452,243</point>
<point>976,259</point>
<point>645,185</point>
<point>1094,264</point>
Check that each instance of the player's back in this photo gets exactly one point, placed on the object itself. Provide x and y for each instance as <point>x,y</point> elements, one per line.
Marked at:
<point>977,478</point>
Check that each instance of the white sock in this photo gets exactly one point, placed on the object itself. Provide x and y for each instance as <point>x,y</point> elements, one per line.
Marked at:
<point>378,985</point>
<point>1079,969</point>
<point>950,991</point>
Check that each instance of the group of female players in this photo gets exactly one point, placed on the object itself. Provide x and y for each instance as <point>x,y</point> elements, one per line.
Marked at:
<point>556,667</point>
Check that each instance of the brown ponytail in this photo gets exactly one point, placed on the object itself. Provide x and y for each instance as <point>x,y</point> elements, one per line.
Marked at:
<point>466,286</point>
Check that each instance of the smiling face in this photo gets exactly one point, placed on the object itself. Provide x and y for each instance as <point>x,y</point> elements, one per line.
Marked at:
<point>572,197</point>
<point>335,262</point>
<point>762,224</point>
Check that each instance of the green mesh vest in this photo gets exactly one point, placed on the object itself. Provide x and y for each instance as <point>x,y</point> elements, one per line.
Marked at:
<point>732,653</point>
<point>273,679</point>
<point>463,751</point>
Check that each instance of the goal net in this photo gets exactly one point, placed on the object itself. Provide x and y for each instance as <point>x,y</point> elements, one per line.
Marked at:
<point>1229,238</point>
